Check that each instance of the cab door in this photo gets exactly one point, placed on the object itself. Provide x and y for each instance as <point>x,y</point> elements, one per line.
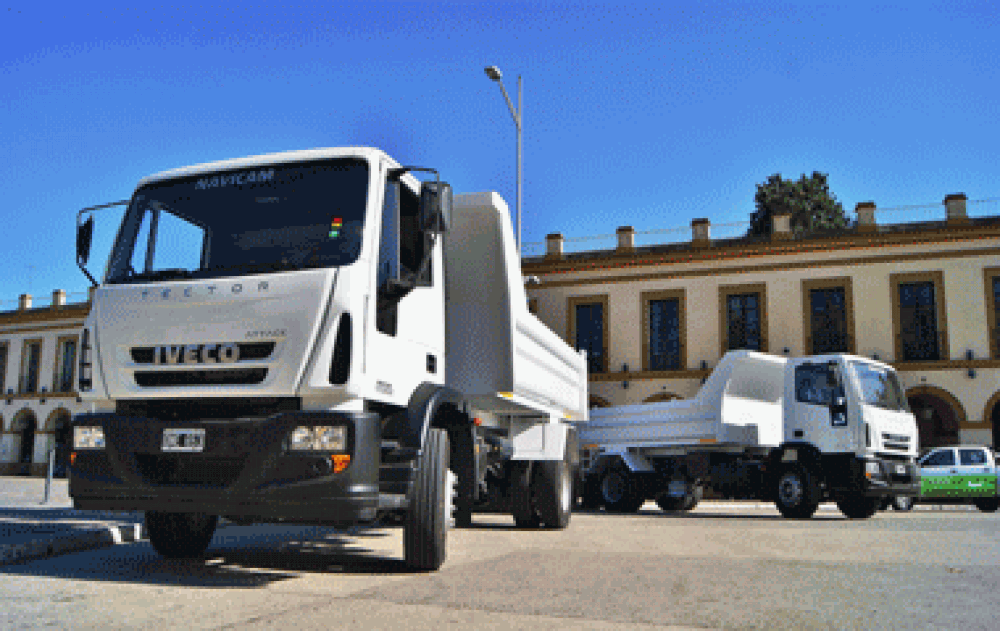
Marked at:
<point>809,416</point>
<point>976,472</point>
<point>938,471</point>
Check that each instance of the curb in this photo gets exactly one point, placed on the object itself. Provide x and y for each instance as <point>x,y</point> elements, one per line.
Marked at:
<point>105,536</point>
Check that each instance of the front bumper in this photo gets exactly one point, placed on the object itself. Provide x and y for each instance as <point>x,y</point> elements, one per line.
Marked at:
<point>245,470</point>
<point>894,479</point>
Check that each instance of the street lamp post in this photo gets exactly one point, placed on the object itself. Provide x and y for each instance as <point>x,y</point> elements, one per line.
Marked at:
<point>494,73</point>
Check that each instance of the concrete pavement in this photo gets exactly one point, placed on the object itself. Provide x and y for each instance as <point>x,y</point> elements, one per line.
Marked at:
<point>32,529</point>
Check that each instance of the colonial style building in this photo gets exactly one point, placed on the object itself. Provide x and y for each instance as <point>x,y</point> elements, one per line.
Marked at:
<point>923,297</point>
<point>38,357</point>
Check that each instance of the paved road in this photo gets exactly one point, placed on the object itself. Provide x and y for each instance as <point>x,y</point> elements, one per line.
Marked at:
<point>714,568</point>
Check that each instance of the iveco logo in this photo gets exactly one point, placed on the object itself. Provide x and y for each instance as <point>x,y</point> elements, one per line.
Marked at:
<point>197,354</point>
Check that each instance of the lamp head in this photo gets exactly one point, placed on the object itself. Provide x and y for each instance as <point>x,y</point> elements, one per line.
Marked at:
<point>494,73</point>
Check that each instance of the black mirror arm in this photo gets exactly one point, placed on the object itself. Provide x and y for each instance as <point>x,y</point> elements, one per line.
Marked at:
<point>83,269</point>
<point>80,261</point>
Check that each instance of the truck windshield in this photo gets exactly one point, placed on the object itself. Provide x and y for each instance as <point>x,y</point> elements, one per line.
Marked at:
<point>253,220</point>
<point>879,387</point>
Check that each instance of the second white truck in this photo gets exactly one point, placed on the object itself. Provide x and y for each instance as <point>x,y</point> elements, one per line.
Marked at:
<point>793,431</point>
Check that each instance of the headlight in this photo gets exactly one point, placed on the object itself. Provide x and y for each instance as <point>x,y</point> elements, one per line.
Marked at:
<point>873,470</point>
<point>321,438</point>
<point>88,438</point>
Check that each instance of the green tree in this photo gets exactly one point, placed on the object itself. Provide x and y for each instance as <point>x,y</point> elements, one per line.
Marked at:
<point>808,200</point>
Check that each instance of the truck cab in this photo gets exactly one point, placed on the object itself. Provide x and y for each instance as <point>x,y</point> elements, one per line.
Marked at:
<point>849,415</point>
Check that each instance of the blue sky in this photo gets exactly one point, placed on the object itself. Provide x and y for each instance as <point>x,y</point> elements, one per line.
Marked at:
<point>641,115</point>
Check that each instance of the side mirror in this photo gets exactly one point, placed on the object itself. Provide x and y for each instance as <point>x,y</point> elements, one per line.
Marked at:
<point>84,237</point>
<point>435,207</point>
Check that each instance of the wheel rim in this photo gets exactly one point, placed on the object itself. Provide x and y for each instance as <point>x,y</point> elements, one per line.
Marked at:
<point>790,489</point>
<point>613,487</point>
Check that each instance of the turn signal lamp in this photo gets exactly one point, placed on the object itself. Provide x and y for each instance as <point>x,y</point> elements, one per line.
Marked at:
<point>340,462</point>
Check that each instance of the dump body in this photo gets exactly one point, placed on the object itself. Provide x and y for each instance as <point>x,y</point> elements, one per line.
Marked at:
<point>498,353</point>
<point>739,405</point>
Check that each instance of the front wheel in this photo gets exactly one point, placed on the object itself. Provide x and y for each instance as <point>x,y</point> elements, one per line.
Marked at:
<point>180,535</point>
<point>859,506</point>
<point>425,528</point>
<point>987,504</point>
<point>797,494</point>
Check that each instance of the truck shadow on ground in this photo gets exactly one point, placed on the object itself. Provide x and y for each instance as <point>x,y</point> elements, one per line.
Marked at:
<point>234,560</point>
<point>821,515</point>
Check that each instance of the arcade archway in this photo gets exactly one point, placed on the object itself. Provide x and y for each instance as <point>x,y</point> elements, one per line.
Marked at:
<point>939,416</point>
<point>24,427</point>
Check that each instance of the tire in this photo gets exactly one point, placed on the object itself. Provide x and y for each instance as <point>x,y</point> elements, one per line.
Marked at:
<point>522,503</point>
<point>425,527</point>
<point>859,506</point>
<point>553,493</point>
<point>903,503</point>
<point>687,502</point>
<point>667,503</point>
<point>987,504</point>
<point>180,535</point>
<point>797,492</point>
<point>619,491</point>
<point>590,494</point>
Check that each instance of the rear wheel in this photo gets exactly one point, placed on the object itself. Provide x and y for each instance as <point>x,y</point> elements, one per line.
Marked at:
<point>553,493</point>
<point>523,505</point>
<point>797,494</point>
<point>619,491</point>
<point>180,535</point>
<point>425,529</point>
<point>686,502</point>
<point>987,504</point>
<point>859,506</point>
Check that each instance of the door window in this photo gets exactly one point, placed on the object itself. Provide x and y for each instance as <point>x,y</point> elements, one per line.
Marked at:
<point>943,458</point>
<point>971,457</point>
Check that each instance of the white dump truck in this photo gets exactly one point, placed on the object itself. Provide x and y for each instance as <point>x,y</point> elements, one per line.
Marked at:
<point>319,337</point>
<point>795,431</point>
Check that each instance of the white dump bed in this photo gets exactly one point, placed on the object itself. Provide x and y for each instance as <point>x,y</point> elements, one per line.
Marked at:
<point>497,353</point>
<point>740,405</point>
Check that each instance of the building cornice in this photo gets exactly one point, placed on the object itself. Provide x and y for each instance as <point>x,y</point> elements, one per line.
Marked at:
<point>764,267</point>
<point>687,254</point>
<point>77,311</point>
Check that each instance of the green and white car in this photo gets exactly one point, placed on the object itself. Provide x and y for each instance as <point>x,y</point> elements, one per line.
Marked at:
<point>960,474</point>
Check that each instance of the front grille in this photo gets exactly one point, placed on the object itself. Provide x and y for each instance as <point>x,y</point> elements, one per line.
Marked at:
<point>899,442</point>
<point>225,377</point>
<point>203,408</point>
<point>247,351</point>
<point>189,469</point>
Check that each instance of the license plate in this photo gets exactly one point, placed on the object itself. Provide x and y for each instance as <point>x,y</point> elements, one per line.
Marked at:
<point>901,469</point>
<point>190,440</point>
